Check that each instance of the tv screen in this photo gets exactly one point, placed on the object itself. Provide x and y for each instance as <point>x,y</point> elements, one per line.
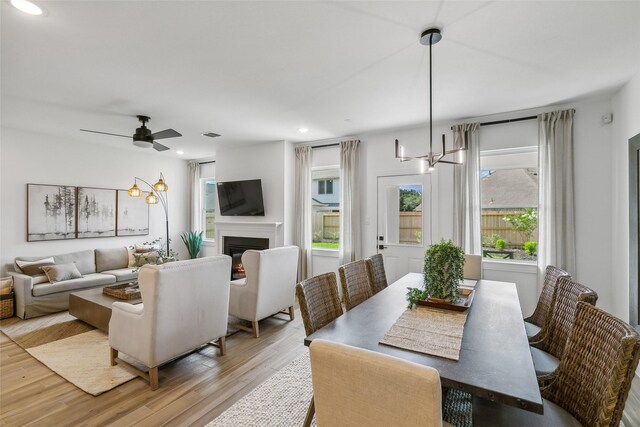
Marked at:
<point>241,198</point>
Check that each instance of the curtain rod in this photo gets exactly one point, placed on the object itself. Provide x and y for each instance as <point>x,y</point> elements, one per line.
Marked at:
<point>325,145</point>
<point>499,122</point>
<point>206,163</point>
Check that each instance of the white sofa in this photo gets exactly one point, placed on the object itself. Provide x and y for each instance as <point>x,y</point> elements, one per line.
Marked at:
<point>270,285</point>
<point>185,305</point>
<point>36,295</point>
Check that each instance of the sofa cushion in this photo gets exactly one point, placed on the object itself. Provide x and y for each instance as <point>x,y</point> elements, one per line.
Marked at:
<point>85,282</point>
<point>61,272</point>
<point>123,274</point>
<point>111,259</point>
<point>85,260</point>
<point>31,267</point>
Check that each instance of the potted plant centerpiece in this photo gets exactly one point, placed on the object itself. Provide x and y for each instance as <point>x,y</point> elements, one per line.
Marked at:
<point>443,271</point>
<point>193,242</point>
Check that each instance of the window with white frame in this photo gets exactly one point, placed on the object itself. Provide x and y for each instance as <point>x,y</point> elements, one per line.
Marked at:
<point>509,203</point>
<point>209,199</point>
<point>325,198</point>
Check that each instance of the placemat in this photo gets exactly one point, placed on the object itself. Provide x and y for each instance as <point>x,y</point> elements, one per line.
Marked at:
<point>428,330</point>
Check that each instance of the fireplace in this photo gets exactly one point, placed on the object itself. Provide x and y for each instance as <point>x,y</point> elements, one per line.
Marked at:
<point>235,246</point>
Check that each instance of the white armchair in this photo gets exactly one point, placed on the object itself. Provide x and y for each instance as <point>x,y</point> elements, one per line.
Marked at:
<point>185,306</point>
<point>269,287</point>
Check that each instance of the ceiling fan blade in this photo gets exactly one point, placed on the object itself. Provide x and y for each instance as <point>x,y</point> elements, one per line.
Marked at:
<point>167,133</point>
<point>106,133</point>
<point>159,147</point>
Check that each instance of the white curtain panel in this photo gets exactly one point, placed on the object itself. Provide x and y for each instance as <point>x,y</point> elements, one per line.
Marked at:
<point>302,231</point>
<point>466,189</point>
<point>349,202</point>
<point>195,210</point>
<point>556,229</point>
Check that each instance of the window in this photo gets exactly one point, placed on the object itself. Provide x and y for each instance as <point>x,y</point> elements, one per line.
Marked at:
<point>509,201</point>
<point>325,198</point>
<point>325,186</point>
<point>209,196</point>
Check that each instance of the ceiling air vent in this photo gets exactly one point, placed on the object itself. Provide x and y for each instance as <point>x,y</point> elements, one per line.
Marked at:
<point>210,134</point>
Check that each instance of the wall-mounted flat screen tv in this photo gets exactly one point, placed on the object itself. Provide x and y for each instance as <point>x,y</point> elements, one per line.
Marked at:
<point>241,198</point>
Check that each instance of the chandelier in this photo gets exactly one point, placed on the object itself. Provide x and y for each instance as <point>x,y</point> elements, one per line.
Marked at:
<point>430,37</point>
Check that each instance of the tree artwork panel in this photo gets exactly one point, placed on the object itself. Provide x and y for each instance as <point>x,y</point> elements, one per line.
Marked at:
<point>96,212</point>
<point>133,215</point>
<point>51,212</point>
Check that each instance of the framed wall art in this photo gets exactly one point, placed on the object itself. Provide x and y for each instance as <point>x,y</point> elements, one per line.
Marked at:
<point>51,212</point>
<point>96,212</point>
<point>133,215</point>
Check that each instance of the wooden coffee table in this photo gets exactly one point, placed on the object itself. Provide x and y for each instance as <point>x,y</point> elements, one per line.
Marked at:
<point>93,307</point>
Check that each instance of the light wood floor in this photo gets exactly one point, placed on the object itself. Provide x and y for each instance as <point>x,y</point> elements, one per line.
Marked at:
<point>193,390</point>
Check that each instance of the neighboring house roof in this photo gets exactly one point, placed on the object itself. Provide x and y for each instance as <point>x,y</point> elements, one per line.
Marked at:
<point>318,203</point>
<point>418,208</point>
<point>510,188</point>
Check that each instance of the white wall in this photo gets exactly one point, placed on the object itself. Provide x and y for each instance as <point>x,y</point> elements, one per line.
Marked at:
<point>626,124</point>
<point>41,159</point>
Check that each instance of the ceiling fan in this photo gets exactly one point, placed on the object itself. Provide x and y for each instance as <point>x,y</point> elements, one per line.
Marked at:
<point>143,136</point>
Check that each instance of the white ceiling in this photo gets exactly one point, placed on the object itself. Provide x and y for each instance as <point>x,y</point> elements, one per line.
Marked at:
<point>257,71</point>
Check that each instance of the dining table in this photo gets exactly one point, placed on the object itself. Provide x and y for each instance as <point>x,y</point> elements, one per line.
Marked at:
<point>494,361</point>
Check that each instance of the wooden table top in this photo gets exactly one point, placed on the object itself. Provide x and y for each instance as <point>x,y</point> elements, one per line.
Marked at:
<point>495,361</point>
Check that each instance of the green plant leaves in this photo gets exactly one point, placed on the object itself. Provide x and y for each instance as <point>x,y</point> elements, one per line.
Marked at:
<point>193,242</point>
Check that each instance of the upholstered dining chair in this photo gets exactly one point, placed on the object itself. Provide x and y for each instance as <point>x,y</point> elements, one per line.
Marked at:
<point>356,287</point>
<point>534,323</point>
<point>472,267</point>
<point>547,352</point>
<point>592,382</point>
<point>358,387</point>
<point>377,275</point>
<point>319,301</point>
<point>269,288</point>
<point>184,306</point>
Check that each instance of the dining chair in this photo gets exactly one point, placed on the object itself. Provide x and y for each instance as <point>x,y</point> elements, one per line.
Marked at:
<point>534,323</point>
<point>319,301</point>
<point>319,306</point>
<point>472,267</point>
<point>377,275</point>
<point>592,383</point>
<point>356,287</point>
<point>547,352</point>
<point>359,387</point>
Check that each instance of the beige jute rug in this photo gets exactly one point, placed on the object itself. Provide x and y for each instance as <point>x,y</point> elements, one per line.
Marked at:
<point>72,349</point>
<point>428,330</point>
<point>282,400</point>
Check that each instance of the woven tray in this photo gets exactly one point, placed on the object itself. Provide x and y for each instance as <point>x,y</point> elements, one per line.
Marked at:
<point>466,298</point>
<point>124,291</point>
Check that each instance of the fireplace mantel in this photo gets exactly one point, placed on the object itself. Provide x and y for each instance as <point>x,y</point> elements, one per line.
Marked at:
<point>267,230</point>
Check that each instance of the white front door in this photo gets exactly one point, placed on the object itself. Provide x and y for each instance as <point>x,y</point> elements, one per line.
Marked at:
<point>404,222</point>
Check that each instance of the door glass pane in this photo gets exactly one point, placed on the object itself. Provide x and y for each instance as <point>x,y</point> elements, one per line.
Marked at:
<point>404,214</point>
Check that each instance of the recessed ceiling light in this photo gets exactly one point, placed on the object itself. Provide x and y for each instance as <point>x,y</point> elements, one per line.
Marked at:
<point>180,152</point>
<point>303,130</point>
<point>27,7</point>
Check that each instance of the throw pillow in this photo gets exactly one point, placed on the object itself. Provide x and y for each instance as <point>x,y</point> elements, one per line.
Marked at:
<point>32,268</point>
<point>61,272</point>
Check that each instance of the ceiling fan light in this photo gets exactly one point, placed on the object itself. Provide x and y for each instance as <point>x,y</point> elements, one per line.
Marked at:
<point>142,143</point>
<point>160,186</point>
<point>151,199</point>
<point>135,191</point>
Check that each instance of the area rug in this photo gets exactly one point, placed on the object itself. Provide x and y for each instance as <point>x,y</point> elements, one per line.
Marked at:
<point>284,398</point>
<point>72,349</point>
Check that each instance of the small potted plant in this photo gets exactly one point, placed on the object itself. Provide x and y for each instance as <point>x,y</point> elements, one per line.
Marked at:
<point>193,242</point>
<point>443,271</point>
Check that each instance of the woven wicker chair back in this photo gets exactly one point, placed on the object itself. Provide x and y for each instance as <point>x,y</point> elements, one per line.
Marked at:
<point>563,309</point>
<point>356,287</point>
<point>543,309</point>
<point>595,374</point>
<point>377,275</point>
<point>319,301</point>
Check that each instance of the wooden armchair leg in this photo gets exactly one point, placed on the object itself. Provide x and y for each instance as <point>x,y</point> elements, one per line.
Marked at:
<point>255,329</point>
<point>310,413</point>
<point>222,345</point>
<point>291,313</point>
<point>153,378</point>
<point>113,354</point>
